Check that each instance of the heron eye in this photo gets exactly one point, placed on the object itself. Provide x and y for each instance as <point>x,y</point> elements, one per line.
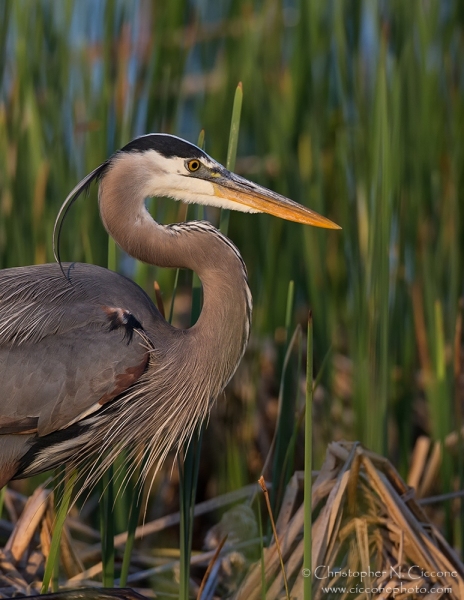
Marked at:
<point>193,165</point>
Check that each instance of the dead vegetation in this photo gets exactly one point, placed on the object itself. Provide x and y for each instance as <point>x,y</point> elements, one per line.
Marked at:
<point>370,531</point>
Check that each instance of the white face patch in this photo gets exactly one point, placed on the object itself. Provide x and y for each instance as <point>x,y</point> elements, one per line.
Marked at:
<point>170,178</point>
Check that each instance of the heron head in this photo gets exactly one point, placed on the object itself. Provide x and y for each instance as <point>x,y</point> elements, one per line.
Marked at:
<point>177,169</point>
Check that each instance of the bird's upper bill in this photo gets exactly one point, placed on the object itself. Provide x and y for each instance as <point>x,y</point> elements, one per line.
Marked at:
<point>256,198</point>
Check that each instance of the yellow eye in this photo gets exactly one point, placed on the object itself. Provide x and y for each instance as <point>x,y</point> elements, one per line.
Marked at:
<point>193,165</point>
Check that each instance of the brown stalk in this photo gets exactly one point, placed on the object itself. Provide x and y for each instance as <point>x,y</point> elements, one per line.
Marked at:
<point>262,483</point>
<point>210,566</point>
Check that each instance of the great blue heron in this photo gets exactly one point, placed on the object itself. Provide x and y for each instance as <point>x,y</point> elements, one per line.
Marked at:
<point>87,363</point>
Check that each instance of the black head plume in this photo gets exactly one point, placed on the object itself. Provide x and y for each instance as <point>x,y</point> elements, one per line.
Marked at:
<point>82,186</point>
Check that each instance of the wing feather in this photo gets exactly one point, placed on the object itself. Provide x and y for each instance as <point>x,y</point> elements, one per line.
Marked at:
<point>67,347</point>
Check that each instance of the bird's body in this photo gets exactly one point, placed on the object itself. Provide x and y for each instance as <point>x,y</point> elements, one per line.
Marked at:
<point>87,363</point>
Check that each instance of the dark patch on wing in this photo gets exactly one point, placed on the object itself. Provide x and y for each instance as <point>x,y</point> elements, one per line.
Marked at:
<point>39,444</point>
<point>21,425</point>
<point>119,317</point>
<point>125,380</point>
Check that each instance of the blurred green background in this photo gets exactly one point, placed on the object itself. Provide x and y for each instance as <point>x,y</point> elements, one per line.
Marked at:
<point>353,108</point>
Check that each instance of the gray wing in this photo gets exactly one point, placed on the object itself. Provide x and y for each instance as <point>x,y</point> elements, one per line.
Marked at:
<point>67,348</point>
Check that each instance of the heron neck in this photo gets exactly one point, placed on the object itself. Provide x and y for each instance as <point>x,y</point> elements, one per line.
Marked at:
<point>223,326</point>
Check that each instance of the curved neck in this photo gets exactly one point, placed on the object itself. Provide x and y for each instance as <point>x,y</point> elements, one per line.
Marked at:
<point>222,330</point>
